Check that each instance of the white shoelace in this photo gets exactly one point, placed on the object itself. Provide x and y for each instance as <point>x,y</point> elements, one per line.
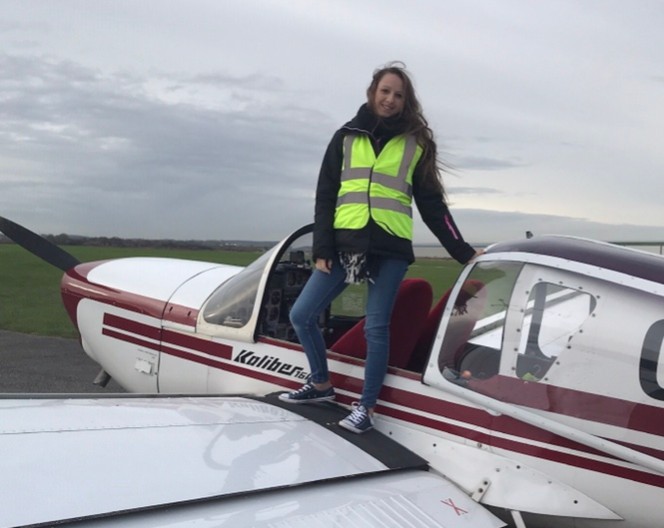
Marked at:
<point>304,388</point>
<point>358,415</point>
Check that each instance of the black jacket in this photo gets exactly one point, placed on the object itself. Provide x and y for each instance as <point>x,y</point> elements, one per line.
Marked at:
<point>373,239</point>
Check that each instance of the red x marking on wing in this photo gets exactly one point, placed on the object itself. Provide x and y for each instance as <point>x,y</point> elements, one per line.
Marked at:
<point>457,510</point>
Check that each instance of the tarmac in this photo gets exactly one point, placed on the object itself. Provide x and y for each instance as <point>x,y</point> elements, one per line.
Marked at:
<point>38,364</point>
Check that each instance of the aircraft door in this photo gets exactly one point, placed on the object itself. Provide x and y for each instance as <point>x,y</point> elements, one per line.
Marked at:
<point>514,320</point>
<point>556,304</point>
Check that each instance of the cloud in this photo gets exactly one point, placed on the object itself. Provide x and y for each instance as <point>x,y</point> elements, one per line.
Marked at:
<point>453,190</point>
<point>78,137</point>
<point>211,122</point>
<point>117,154</point>
<point>485,163</point>
<point>482,226</point>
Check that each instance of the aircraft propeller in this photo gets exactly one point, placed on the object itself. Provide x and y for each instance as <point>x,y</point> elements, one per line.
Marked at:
<point>38,245</point>
<point>45,250</point>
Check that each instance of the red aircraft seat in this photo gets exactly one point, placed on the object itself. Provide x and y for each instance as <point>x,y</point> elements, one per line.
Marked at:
<point>411,307</point>
<point>423,346</point>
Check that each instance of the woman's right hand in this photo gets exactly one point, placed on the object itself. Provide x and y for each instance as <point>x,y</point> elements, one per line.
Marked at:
<point>324,265</point>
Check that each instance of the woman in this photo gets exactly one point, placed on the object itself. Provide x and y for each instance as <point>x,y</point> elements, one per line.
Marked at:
<point>373,167</point>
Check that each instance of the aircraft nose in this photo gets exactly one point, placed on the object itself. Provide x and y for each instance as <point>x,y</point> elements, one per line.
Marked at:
<point>74,287</point>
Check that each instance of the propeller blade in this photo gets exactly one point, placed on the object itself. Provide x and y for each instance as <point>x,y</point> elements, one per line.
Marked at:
<point>38,245</point>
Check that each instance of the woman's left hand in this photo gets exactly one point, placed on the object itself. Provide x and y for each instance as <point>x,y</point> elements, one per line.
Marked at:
<point>478,252</point>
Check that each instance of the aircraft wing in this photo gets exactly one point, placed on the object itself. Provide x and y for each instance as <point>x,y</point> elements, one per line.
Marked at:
<point>213,461</point>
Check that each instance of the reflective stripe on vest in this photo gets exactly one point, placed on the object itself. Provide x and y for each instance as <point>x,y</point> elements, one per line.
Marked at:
<point>380,187</point>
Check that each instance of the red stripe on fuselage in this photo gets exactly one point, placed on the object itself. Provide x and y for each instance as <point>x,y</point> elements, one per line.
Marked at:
<point>507,444</point>
<point>176,313</point>
<point>500,424</point>
<point>231,367</point>
<point>212,348</point>
<point>76,286</point>
<point>129,325</point>
<point>575,403</point>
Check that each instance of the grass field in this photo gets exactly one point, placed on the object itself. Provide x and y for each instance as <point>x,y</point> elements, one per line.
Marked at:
<point>30,288</point>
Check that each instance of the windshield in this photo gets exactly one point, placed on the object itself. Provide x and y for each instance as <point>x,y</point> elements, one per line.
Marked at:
<point>233,302</point>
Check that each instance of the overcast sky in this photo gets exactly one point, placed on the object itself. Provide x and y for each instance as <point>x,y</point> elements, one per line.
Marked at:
<point>208,119</point>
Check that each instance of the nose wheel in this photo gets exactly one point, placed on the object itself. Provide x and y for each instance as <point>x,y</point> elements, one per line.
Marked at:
<point>102,378</point>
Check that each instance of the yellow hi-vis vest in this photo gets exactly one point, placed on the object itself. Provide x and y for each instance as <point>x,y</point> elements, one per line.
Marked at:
<point>379,187</point>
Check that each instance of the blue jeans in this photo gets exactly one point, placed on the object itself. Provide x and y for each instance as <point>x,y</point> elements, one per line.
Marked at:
<point>321,289</point>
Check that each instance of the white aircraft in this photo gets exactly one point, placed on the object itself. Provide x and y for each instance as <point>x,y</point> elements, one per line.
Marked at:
<point>531,393</point>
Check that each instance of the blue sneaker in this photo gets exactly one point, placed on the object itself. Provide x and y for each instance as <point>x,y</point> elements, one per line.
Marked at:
<point>308,394</point>
<point>359,421</point>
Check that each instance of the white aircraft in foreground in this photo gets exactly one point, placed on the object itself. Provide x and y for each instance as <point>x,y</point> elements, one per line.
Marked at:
<point>532,393</point>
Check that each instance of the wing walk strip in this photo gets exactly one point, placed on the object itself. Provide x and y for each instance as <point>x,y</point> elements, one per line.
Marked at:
<point>382,448</point>
<point>218,356</point>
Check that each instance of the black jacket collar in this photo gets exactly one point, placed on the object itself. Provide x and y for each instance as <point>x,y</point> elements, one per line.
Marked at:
<point>380,130</point>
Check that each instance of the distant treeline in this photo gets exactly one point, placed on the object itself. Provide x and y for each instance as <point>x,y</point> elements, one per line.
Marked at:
<point>77,240</point>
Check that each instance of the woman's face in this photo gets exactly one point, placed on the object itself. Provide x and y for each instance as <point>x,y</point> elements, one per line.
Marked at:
<point>389,98</point>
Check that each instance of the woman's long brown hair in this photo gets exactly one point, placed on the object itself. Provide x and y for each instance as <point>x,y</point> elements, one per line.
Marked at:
<point>416,123</point>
